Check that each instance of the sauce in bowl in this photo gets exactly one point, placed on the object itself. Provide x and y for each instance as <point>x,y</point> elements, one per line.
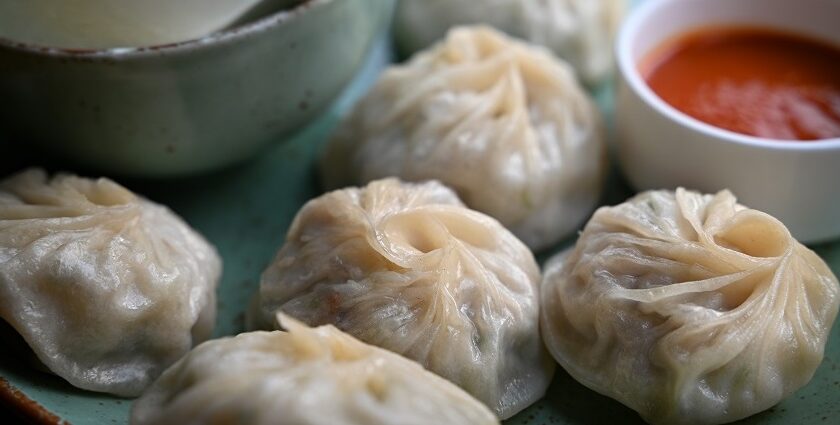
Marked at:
<point>753,81</point>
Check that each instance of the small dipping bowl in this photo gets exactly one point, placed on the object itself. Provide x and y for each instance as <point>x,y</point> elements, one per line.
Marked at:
<point>190,106</point>
<point>660,147</point>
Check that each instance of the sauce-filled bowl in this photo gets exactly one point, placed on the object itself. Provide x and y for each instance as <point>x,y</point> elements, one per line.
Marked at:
<point>663,143</point>
<point>189,106</point>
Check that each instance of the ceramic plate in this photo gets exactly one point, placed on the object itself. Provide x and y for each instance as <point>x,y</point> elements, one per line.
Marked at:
<point>245,211</point>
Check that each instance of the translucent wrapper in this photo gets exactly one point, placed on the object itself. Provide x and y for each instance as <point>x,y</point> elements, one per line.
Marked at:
<point>504,124</point>
<point>579,31</point>
<point>689,308</point>
<point>408,268</point>
<point>303,377</point>
<point>107,288</point>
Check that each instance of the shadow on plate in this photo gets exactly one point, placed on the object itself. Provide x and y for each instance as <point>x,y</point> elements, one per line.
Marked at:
<point>568,402</point>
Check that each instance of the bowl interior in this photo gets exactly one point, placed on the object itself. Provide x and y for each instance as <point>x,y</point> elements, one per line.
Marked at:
<point>656,22</point>
<point>104,24</point>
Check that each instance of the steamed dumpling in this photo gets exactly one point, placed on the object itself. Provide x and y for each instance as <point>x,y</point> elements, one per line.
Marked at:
<point>689,308</point>
<point>107,288</point>
<point>303,377</point>
<point>504,124</point>
<point>580,31</point>
<point>408,268</point>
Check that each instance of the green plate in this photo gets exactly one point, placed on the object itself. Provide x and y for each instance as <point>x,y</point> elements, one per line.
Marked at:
<point>245,211</point>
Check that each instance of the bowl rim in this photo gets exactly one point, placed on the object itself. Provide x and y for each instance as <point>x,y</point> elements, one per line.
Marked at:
<point>223,36</point>
<point>629,70</point>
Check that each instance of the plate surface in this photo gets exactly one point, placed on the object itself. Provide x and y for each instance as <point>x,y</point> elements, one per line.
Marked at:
<point>245,212</point>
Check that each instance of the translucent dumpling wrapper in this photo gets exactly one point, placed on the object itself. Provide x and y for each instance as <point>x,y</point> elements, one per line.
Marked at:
<point>579,31</point>
<point>408,268</point>
<point>303,377</point>
<point>504,124</point>
<point>107,289</point>
<point>689,308</point>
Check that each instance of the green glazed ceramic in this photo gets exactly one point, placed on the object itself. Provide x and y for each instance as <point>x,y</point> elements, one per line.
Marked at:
<point>103,24</point>
<point>245,212</point>
<point>187,107</point>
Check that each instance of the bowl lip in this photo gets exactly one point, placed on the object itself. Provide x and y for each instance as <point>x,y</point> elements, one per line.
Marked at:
<point>223,36</point>
<point>629,70</point>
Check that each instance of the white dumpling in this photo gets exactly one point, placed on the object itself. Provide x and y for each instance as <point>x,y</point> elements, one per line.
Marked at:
<point>579,31</point>
<point>303,377</point>
<point>689,308</point>
<point>408,268</point>
<point>504,124</point>
<point>107,288</point>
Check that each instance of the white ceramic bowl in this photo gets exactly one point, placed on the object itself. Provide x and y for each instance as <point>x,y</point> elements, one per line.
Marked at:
<point>661,147</point>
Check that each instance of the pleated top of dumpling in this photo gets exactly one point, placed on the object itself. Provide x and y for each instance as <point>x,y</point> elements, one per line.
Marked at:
<point>689,308</point>
<point>303,377</point>
<point>504,124</point>
<point>408,268</point>
<point>107,288</point>
<point>579,31</point>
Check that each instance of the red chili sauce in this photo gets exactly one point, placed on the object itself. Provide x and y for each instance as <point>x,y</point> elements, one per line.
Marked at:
<point>753,81</point>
